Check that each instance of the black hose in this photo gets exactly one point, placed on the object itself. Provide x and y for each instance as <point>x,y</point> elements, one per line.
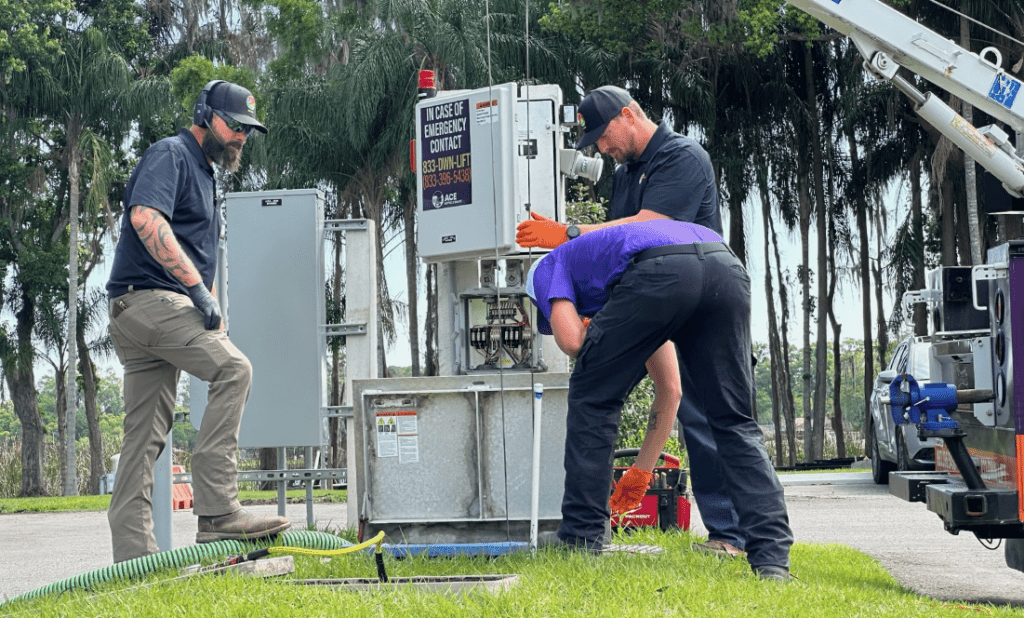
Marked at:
<point>382,575</point>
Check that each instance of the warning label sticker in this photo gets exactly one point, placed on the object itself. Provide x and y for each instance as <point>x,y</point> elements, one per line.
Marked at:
<point>387,437</point>
<point>408,449</point>
<point>487,112</point>
<point>967,130</point>
<point>398,435</point>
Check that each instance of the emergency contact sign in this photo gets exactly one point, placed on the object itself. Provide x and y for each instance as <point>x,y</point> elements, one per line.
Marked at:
<point>446,155</point>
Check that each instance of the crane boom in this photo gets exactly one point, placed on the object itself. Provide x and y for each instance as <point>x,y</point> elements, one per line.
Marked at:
<point>889,39</point>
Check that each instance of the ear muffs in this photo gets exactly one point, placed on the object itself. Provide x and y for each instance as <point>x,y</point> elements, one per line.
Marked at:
<point>203,113</point>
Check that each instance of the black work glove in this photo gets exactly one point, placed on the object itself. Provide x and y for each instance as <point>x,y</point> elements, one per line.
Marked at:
<point>206,304</point>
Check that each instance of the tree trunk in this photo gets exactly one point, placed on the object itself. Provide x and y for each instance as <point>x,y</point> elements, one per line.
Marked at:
<point>337,426</point>
<point>412,279</point>
<point>963,227</point>
<point>821,209</point>
<point>222,20</point>
<point>774,348</point>
<point>970,180</point>
<point>61,412</point>
<point>837,377</point>
<point>431,361</point>
<point>97,467</point>
<point>963,222</point>
<point>883,331</point>
<point>383,298</point>
<point>865,284</point>
<point>382,359</point>
<point>946,212</point>
<point>737,234</point>
<point>805,284</point>
<point>21,380</point>
<point>917,224</point>
<point>74,158</point>
<point>788,406</point>
<point>837,341</point>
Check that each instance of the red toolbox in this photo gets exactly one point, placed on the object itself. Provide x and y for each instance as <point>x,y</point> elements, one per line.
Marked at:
<point>665,504</point>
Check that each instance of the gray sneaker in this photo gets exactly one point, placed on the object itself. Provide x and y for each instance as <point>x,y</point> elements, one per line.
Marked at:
<point>240,525</point>
<point>772,573</point>
<point>574,545</point>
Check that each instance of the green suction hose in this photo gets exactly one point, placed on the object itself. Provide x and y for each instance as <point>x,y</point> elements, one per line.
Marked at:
<point>177,558</point>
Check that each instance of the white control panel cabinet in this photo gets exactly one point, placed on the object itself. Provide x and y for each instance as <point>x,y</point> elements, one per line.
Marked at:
<point>483,157</point>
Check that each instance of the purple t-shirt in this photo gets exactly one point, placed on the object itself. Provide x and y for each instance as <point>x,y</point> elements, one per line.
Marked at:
<point>585,269</point>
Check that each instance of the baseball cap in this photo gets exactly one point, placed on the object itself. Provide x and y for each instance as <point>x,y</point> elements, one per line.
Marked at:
<point>597,109</point>
<point>236,102</point>
<point>543,325</point>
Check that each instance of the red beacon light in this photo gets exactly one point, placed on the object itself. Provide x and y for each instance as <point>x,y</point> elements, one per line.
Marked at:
<point>427,88</point>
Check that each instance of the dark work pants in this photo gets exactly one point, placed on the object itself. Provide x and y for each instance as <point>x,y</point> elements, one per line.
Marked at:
<point>716,510</point>
<point>702,304</point>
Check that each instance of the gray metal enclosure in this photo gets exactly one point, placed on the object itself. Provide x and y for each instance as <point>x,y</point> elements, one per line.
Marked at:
<point>276,287</point>
<point>448,459</point>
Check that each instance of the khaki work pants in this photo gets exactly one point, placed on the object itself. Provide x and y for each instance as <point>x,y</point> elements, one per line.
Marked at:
<point>157,334</point>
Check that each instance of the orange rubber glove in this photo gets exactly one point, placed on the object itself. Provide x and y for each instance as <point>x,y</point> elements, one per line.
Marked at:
<point>629,490</point>
<point>541,232</point>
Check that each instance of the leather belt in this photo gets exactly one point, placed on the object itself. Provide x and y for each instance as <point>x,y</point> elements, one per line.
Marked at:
<point>129,288</point>
<point>697,248</point>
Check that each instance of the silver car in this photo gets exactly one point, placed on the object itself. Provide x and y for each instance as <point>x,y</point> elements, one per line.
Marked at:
<point>898,447</point>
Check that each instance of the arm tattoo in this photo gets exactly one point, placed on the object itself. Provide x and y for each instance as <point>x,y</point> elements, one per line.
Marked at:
<point>652,420</point>
<point>156,235</point>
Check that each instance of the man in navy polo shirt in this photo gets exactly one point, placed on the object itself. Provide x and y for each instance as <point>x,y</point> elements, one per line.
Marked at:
<point>643,285</point>
<point>164,320</point>
<point>661,175</point>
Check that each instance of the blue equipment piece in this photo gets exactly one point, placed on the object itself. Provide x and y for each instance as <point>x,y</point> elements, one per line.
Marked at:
<point>926,406</point>
<point>448,550</point>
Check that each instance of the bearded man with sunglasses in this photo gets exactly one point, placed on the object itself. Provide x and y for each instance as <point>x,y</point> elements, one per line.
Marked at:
<point>164,319</point>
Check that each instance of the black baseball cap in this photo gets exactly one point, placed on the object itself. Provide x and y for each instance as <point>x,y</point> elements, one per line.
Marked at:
<point>236,102</point>
<point>597,109</point>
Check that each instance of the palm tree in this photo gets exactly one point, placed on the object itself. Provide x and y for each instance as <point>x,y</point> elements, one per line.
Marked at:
<point>88,87</point>
<point>51,330</point>
<point>92,318</point>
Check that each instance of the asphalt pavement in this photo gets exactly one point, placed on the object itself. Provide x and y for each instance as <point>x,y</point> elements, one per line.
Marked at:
<point>846,508</point>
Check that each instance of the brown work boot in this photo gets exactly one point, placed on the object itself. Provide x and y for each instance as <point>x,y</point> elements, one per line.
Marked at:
<point>719,548</point>
<point>240,525</point>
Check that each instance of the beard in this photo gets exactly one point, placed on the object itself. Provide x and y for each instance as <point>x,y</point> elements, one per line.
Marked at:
<point>227,155</point>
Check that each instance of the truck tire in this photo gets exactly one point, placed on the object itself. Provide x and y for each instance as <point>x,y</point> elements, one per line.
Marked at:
<point>1014,554</point>
<point>880,468</point>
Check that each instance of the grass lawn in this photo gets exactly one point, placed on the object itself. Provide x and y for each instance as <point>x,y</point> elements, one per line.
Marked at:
<point>102,503</point>
<point>835,581</point>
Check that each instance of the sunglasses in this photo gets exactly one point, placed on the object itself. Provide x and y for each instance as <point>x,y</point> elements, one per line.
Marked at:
<point>234,125</point>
